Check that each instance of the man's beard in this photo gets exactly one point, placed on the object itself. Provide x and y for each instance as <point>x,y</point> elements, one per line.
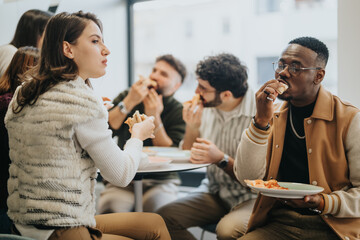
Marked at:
<point>214,103</point>
<point>157,90</point>
<point>281,97</point>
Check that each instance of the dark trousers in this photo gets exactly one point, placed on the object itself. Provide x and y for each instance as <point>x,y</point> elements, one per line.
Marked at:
<point>286,224</point>
<point>5,222</point>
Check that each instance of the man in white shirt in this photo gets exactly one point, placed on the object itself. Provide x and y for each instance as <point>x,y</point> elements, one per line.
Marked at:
<point>213,130</point>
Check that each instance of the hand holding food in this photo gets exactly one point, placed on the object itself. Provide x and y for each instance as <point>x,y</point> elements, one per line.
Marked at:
<point>281,87</point>
<point>265,98</point>
<point>153,104</point>
<point>274,88</point>
<point>141,126</point>
<point>196,100</point>
<point>192,112</point>
<point>148,82</point>
<point>136,118</point>
<point>137,93</point>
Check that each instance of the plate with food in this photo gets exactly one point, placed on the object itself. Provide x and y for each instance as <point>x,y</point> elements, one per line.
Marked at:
<point>149,151</point>
<point>290,190</point>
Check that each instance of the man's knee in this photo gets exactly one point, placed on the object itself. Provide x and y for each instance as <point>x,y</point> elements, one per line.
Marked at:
<point>228,229</point>
<point>170,217</point>
<point>154,218</point>
<point>164,211</point>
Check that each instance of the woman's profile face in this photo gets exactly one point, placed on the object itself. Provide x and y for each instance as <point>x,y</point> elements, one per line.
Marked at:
<point>89,52</point>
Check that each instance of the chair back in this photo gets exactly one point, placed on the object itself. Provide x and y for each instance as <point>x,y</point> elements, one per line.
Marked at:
<point>13,237</point>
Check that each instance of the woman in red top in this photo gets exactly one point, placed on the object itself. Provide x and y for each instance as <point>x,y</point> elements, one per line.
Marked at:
<point>24,58</point>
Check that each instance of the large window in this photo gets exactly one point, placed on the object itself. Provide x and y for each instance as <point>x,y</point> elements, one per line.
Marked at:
<point>265,69</point>
<point>255,31</point>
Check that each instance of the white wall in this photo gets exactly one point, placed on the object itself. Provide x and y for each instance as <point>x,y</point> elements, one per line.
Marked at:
<point>349,50</point>
<point>112,13</point>
<point>162,27</point>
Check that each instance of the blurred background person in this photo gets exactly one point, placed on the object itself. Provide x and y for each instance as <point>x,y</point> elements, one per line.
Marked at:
<point>24,58</point>
<point>29,32</point>
<point>154,97</point>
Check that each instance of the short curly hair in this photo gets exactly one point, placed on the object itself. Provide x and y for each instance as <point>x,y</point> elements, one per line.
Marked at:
<point>314,44</point>
<point>175,63</point>
<point>224,72</point>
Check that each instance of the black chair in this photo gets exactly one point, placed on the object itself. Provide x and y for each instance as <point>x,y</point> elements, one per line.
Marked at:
<point>209,228</point>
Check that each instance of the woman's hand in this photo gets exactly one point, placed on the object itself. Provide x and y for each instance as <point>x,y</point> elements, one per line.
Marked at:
<point>144,129</point>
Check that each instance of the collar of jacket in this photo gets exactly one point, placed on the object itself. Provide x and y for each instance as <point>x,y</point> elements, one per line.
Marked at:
<point>324,106</point>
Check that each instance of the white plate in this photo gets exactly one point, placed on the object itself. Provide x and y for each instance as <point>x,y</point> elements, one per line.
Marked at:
<point>156,162</point>
<point>294,191</point>
<point>180,155</point>
<point>163,149</point>
<point>174,153</point>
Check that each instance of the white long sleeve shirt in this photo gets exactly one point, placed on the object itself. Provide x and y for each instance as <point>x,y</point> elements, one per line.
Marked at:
<point>115,165</point>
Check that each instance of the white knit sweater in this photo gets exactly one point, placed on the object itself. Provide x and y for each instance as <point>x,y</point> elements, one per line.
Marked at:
<point>52,175</point>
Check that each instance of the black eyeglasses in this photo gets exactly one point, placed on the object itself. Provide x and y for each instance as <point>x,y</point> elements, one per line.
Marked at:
<point>203,90</point>
<point>293,68</point>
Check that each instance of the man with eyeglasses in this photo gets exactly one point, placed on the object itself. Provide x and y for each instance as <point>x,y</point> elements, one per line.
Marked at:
<point>213,131</point>
<point>312,137</point>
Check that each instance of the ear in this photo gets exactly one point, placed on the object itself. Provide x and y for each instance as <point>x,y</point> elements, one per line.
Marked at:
<point>319,76</point>
<point>226,94</point>
<point>67,50</point>
<point>177,85</point>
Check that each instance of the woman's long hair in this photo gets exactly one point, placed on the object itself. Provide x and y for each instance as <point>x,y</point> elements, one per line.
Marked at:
<point>54,67</point>
<point>30,28</point>
<point>24,59</point>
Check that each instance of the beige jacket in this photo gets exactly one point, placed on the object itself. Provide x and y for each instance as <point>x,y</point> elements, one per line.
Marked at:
<point>333,153</point>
